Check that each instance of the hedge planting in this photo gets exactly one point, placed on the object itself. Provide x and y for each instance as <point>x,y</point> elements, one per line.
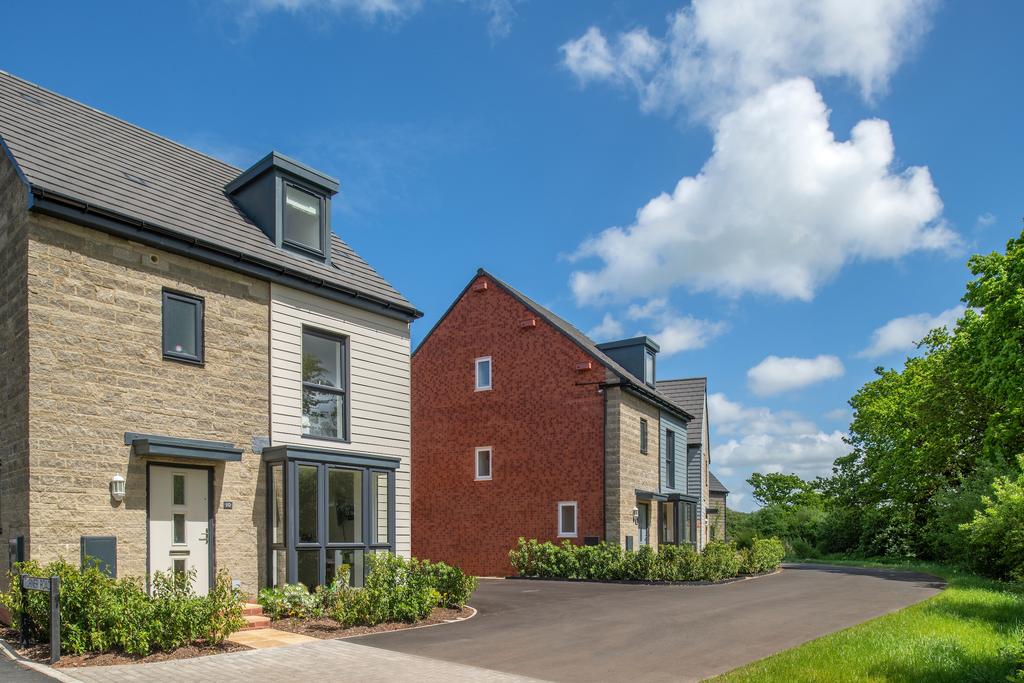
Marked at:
<point>396,589</point>
<point>101,614</point>
<point>607,562</point>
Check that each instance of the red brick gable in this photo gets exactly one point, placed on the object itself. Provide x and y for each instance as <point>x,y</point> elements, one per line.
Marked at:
<point>544,419</point>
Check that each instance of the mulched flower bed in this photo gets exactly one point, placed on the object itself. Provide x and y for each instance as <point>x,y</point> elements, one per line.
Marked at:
<point>329,628</point>
<point>41,653</point>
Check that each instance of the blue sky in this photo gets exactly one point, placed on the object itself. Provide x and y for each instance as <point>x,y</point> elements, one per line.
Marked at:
<point>513,135</point>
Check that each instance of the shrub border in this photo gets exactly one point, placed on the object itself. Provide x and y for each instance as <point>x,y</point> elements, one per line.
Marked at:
<point>650,582</point>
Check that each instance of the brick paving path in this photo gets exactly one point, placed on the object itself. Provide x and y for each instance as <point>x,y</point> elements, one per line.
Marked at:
<point>335,660</point>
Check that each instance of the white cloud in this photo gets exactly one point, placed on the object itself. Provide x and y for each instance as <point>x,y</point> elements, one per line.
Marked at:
<point>775,375</point>
<point>902,334</point>
<point>368,9</point>
<point>716,52</point>
<point>607,330</point>
<point>673,331</point>
<point>780,207</point>
<point>984,220</point>
<point>761,440</point>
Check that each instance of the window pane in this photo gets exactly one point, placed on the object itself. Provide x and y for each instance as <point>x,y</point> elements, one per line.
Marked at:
<point>568,522</point>
<point>321,413</point>
<point>179,489</point>
<point>322,360</point>
<point>344,506</point>
<point>277,504</point>
<point>649,367</point>
<point>309,568</point>
<point>280,568</point>
<point>345,565</point>
<point>179,566</point>
<point>379,488</point>
<point>180,333</point>
<point>483,464</point>
<point>307,482</point>
<point>483,374</point>
<point>302,218</point>
<point>179,529</point>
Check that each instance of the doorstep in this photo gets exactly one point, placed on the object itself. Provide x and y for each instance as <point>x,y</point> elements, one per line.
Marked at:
<point>260,639</point>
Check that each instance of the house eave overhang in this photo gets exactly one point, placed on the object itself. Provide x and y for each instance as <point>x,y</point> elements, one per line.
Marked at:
<point>58,205</point>
<point>158,445</point>
<point>330,456</point>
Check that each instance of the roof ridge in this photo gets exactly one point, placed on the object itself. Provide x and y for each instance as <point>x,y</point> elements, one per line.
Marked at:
<point>120,120</point>
<point>685,379</point>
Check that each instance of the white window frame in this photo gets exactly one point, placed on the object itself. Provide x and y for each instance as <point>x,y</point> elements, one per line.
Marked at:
<point>490,463</point>
<point>575,519</point>
<point>476,373</point>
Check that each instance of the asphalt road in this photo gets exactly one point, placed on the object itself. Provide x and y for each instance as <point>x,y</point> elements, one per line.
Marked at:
<point>565,631</point>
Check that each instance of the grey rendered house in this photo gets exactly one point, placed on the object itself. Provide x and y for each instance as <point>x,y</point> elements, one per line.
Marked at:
<point>196,372</point>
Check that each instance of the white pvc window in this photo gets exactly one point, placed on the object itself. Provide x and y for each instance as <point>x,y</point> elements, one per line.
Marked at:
<point>483,374</point>
<point>567,519</point>
<point>483,463</point>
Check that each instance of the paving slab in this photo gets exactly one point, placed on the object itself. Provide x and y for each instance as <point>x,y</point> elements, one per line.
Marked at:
<point>262,638</point>
<point>333,660</point>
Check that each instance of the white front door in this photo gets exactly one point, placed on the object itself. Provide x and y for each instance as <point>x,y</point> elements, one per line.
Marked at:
<point>179,530</point>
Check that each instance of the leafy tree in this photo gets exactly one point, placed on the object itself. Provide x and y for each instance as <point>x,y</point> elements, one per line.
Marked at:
<point>783,489</point>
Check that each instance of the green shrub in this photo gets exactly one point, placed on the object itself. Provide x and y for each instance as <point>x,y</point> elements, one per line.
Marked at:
<point>601,562</point>
<point>99,613</point>
<point>453,585</point>
<point>679,563</point>
<point>1015,653</point>
<point>396,589</point>
<point>292,600</point>
<point>719,560</point>
<point>640,565</point>
<point>764,555</point>
<point>996,534</point>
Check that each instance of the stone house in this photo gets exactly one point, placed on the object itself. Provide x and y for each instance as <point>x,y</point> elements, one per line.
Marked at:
<point>717,508</point>
<point>523,426</point>
<point>197,373</point>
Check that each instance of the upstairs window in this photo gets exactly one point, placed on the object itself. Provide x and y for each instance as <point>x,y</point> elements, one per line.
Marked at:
<point>643,436</point>
<point>303,220</point>
<point>483,374</point>
<point>324,386</point>
<point>670,459</point>
<point>649,367</point>
<point>182,327</point>
<point>483,464</point>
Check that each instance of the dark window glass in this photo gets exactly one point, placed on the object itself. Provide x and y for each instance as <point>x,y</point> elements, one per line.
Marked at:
<point>324,380</point>
<point>179,489</point>
<point>302,221</point>
<point>277,504</point>
<point>344,506</point>
<point>643,436</point>
<point>483,464</point>
<point>309,568</point>
<point>179,529</point>
<point>382,510</point>
<point>670,458</point>
<point>567,520</point>
<point>307,503</point>
<point>345,565</point>
<point>179,566</point>
<point>182,327</point>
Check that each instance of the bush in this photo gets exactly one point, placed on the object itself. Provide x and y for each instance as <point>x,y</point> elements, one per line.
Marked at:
<point>396,589</point>
<point>452,584</point>
<point>996,534</point>
<point>764,555</point>
<point>719,561</point>
<point>290,601</point>
<point>99,613</point>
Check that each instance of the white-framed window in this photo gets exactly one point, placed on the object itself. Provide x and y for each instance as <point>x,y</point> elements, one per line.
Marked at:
<point>483,373</point>
<point>567,519</point>
<point>483,463</point>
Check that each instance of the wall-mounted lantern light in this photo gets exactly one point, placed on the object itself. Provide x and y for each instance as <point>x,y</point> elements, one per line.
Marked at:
<point>117,488</point>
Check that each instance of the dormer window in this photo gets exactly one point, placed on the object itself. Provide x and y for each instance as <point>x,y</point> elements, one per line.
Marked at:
<point>303,219</point>
<point>290,202</point>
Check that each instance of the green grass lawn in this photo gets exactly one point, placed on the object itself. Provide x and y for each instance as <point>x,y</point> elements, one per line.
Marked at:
<point>957,636</point>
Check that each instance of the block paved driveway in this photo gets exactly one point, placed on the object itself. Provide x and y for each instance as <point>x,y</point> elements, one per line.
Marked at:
<point>564,631</point>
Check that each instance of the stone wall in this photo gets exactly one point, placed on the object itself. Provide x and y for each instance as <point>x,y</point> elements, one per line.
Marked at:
<point>94,316</point>
<point>626,468</point>
<point>13,360</point>
<point>716,520</point>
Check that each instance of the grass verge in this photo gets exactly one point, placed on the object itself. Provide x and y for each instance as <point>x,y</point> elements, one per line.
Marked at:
<point>961,635</point>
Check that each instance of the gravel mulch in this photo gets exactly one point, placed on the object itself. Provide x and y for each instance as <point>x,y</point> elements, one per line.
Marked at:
<point>41,653</point>
<point>329,628</point>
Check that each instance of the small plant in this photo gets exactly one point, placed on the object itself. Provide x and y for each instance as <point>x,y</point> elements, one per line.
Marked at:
<point>453,585</point>
<point>764,555</point>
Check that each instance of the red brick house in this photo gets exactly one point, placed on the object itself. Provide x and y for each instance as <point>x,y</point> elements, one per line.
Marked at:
<point>522,426</point>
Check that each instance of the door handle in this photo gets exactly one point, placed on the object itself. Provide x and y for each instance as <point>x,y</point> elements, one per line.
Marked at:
<point>205,538</point>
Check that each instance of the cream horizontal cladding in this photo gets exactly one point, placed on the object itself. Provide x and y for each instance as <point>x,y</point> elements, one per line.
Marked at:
<point>378,392</point>
<point>97,371</point>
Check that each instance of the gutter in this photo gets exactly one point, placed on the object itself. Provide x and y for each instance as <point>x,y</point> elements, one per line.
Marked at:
<point>67,208</point>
